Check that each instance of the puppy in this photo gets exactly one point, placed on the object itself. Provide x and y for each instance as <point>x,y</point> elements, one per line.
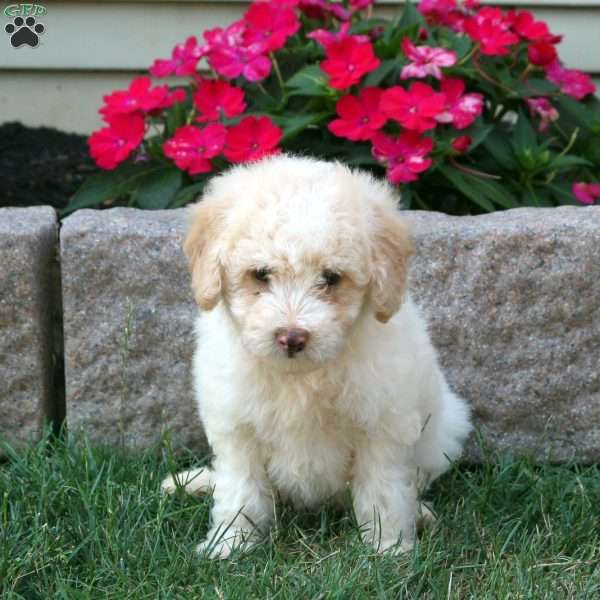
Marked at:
<point>314,372</point>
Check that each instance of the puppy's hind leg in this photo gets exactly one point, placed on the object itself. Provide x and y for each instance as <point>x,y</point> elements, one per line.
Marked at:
<point>425,517</point>
<point>442,437</point>
<point>194,481</point>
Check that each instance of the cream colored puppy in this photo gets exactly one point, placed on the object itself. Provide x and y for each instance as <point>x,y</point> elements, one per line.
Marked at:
<point>314,372</point>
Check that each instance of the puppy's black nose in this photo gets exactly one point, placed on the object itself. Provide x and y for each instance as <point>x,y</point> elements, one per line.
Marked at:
<point>292,340</point>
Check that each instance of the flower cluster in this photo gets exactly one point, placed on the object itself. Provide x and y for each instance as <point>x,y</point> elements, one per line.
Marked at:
<point>124,113</point>
<point>469,108</point>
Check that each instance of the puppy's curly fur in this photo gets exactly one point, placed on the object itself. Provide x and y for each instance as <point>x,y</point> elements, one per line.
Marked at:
<point>313,371</point>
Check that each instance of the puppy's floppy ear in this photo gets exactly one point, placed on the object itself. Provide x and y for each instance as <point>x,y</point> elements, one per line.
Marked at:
<point>393,247</point>
<point>202,250</point>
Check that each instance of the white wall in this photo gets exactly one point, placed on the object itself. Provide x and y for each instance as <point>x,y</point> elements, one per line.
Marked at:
<point>90,48</point>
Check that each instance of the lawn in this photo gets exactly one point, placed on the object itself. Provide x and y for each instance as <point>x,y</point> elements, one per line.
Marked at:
<point>86,522</point>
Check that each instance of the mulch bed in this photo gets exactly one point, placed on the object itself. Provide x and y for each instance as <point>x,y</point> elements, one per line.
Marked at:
<point>40,165</point>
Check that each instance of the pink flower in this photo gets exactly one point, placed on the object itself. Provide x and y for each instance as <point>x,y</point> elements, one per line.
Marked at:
<point>415,109</point>
<point>217,98</point>
<point>541,53</point>
<point>231,56</point>
<point>404,157</point>
<point>360,117</point>
<point>491,29</point>
<point>183,61</point>
<point>140,97</point>
<point>360,4</point>
<point>251,139</point>
<point>460,109</point>
<point>524,23</point>
<point>321,9</point>
<point>437,11</point>
<point>191,148</point>
<point>543,109</point>
<point>425,60</point>
<point>461,144</point>
<point>232,35</point>
<point>314,9</point>
<point>249,63</point>
<point>447,12</point>
<point>270,23</point>
<point>326,37</point>
<point>113,144</point>
<point>572,82</point>
<point>347,61</point>
<point>586,193</point>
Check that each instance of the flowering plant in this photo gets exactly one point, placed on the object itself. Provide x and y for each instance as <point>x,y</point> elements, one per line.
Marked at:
<point>468,108</point>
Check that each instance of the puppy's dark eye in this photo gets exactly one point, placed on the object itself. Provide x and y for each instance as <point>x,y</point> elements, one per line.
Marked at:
<point>261,274</point>
<point>330,278</point>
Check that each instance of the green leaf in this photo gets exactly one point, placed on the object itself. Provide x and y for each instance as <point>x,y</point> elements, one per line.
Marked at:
<point>157,189</point>
<point>360,155</point>
<point>367,25</point>
<point>562,193</point>
<point>592,149</point>
<point>153,145</point>
<point>406,197</point>
<point>407,25</point>
<point>176,117</point>
<point>189,193</point>
<point>497,144</point>
<point>461,44</point>
<point>524,136</point>
<point>568,160</point>
<point>534,160</point>
<point>464,185</point>
<point>535,196</point>
<point>592,103</point>
<point>386,67</point>
<point>294,124</point>
<point>261,102</point>
<point>533,87</point>
<point>478,136</point>
<point>496,192</point>
<point>107,185</point>
<point>483,191</point>
<point>309,81</point>
<point>578,111</point>
<point>410,16</point>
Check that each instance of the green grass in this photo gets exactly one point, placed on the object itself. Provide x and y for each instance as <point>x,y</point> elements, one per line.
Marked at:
<point>85,522</point>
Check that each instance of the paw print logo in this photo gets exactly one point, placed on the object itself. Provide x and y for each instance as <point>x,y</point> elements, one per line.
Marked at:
<point>24,31</point>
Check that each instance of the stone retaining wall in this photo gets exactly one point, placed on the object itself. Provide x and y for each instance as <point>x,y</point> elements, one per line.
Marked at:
<point>128,326</point>
<point>29,299</point>
<point>512,299</point>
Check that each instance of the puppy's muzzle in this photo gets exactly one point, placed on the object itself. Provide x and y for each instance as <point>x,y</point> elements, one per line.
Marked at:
<point>292,341</point>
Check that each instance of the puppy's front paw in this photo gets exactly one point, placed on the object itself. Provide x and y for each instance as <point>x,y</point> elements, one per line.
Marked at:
<point>219,545</point>
<point>214,549</point>
<point>194,481</point>
<point>389,544</point>
<point>169,485</point>
<point>392,546</point>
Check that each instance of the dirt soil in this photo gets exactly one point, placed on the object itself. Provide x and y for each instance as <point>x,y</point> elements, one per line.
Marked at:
<point>41,165</point>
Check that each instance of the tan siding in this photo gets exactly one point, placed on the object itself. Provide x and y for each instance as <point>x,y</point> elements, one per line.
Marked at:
<point>129,35</point>
<point>90,48</point>
<point>65,100</point>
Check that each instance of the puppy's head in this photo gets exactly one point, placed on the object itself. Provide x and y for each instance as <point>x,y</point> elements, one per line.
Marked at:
<point>298,251</point>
